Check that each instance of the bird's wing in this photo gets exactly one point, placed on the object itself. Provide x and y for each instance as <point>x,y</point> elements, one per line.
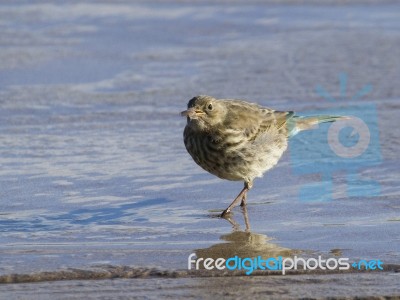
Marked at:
<point>254,121</point>
<point>275,121</point>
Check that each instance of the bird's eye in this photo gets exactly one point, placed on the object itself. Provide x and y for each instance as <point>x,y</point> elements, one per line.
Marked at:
<point>209,106</point>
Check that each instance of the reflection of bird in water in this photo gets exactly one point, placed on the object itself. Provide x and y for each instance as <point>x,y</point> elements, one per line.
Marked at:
<point>244,244</point>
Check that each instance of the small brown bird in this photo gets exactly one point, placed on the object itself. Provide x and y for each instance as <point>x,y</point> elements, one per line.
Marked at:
<point>238,140</point>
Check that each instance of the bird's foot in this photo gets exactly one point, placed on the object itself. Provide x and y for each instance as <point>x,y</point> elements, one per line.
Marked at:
<point>241,197</point>
<point>225,213</point>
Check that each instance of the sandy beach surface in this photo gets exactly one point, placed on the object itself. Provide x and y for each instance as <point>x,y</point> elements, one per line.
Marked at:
<point>98,196</point>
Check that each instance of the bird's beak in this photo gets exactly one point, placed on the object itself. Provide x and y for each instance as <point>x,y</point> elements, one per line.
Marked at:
<point>192,113</point>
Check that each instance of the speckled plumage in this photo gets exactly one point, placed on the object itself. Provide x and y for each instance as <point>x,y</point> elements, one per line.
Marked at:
<point>238,140</point>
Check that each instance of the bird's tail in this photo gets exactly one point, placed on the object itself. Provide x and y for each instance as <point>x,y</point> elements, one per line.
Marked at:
<point>305,123</point>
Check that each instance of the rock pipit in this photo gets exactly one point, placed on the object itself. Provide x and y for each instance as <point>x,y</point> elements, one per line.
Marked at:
<point>238,140</point>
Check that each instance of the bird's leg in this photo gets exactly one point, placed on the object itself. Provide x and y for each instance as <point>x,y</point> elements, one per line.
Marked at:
<point>247,185</point>
<point>244,200</point>
<point>234,202</point>
<point>240,197</point>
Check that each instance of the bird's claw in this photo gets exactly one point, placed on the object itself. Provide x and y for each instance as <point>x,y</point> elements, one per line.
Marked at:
<point>225,213</point>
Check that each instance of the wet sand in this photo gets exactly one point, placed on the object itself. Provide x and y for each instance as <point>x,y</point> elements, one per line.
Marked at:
<point>93,170</point>
<point>358,286</point>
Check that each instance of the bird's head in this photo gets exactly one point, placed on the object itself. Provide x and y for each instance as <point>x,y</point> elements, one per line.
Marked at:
<point>204,113</point>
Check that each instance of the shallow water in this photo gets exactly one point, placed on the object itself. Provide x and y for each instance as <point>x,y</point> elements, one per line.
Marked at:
<point>93,169</point>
